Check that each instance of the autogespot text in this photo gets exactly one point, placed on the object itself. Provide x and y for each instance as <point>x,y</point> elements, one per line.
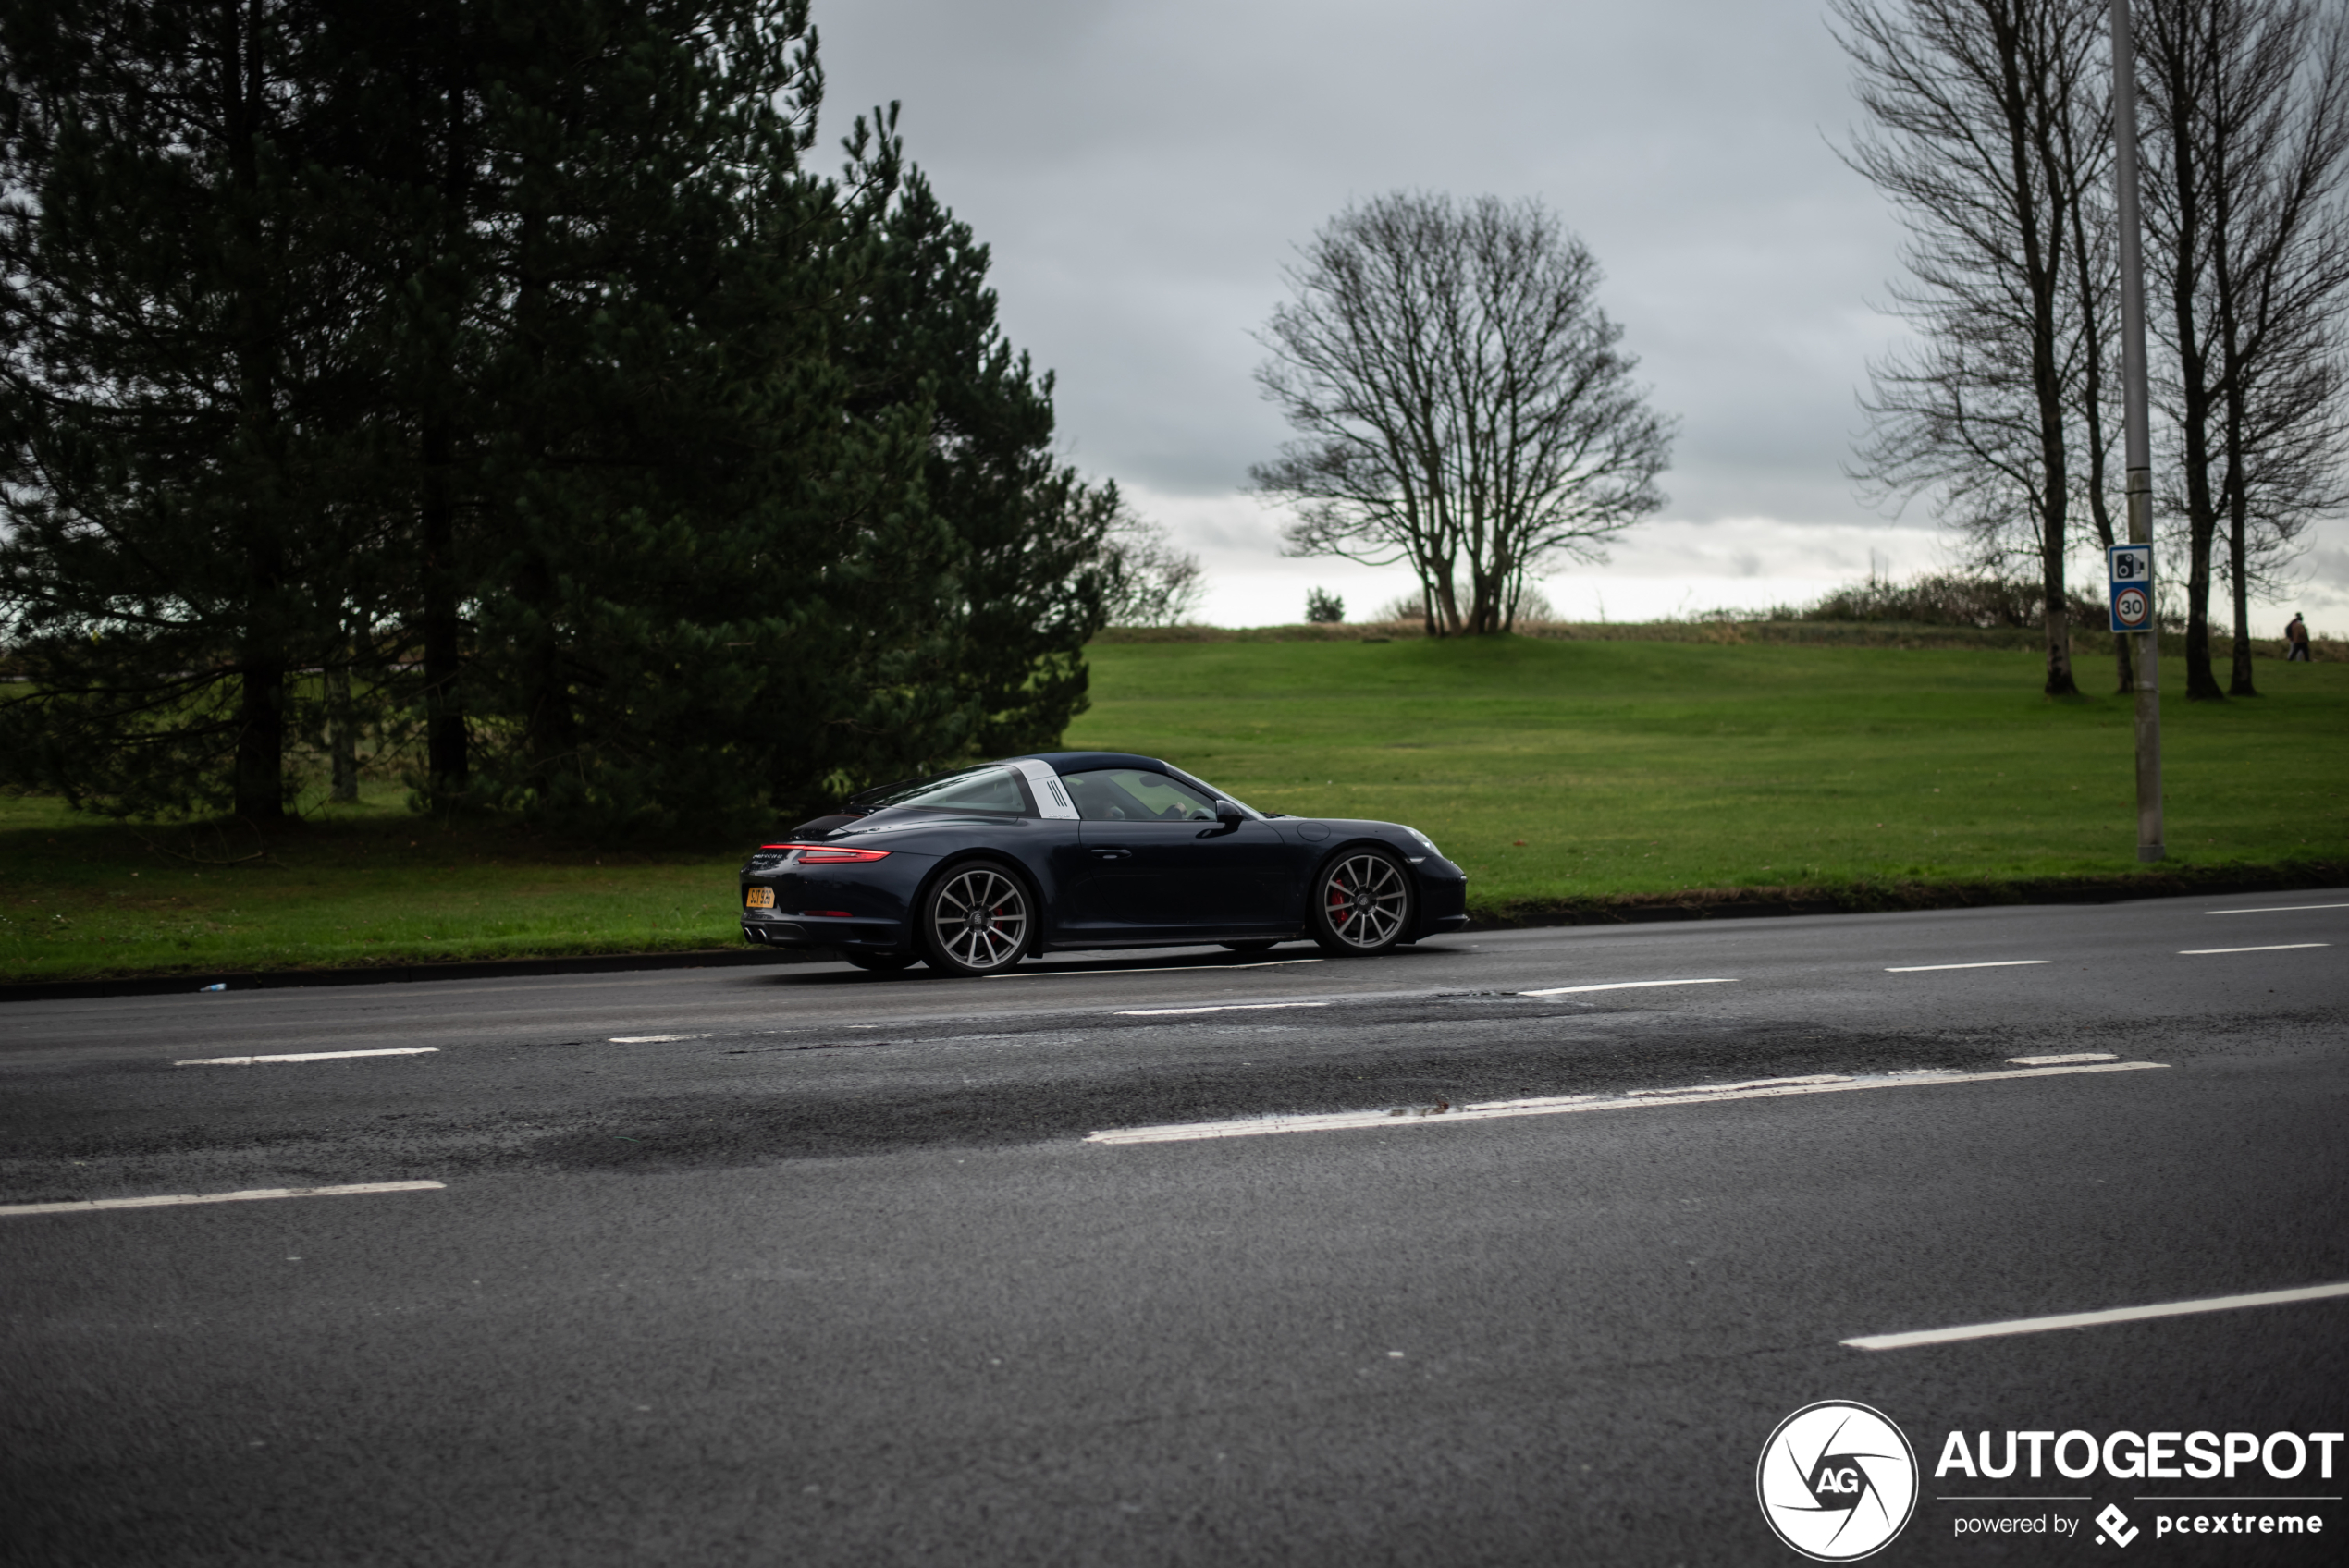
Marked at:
<point>2129,1456</point>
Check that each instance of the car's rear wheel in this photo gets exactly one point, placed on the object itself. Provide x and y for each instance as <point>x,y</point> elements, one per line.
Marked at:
<point>886,964</point>
<point>1248,947</point>
<point>1362,903</point>
<point>975,920</point>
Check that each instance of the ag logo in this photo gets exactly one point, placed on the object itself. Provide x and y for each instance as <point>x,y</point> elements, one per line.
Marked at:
<point>1837,1481</point>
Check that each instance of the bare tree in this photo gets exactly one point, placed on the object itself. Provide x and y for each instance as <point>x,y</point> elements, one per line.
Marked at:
<point>1462,403</point>
<point>2250,102</point>
<point>1154,583</point>
<point>1989,135</point>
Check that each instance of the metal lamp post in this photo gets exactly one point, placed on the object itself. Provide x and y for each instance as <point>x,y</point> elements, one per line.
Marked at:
<point>2139,439</point>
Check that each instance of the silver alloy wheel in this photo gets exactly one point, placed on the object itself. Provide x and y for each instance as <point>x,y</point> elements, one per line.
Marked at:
<point>979,921</point>
<point>1363,900</point>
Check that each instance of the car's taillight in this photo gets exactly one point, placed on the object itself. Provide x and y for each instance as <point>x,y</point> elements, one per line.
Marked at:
<point>829,854</point>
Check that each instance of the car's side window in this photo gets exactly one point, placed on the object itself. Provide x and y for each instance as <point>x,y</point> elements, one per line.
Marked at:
<point>989,789</point>
<point>1133,795</point>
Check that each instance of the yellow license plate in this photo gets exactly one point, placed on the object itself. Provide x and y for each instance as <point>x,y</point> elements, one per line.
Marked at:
<point>759,897</point>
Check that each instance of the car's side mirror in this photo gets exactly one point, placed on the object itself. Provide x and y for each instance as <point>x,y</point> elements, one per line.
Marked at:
<point>1229,814</point>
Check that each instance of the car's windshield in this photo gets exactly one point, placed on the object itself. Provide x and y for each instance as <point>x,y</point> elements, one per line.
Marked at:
<point>990,789</point>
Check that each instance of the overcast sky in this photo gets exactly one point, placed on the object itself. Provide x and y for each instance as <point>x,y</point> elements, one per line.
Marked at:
<point>1142,170</point>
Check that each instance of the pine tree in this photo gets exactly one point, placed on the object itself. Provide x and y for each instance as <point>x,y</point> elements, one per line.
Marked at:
<point>518,376</point>
<point>184,462</point>
<point>1033,538</point>
<point>706,583</point>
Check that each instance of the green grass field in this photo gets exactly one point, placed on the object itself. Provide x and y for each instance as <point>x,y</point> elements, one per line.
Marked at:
<point>1579,769</point>
<point>1557,771</point>
<point>373,884</point>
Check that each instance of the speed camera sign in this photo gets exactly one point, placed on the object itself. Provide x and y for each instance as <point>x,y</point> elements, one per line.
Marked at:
<point>2131,571</point>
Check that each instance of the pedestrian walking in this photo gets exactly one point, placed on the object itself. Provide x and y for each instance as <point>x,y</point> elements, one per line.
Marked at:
<point>2295,637</point>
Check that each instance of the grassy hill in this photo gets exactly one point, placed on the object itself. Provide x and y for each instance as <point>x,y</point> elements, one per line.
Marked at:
<point>1567,774</point>
<point>1564,771</point>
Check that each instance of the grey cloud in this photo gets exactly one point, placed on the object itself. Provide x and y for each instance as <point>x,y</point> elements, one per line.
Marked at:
<point>1142,171</point>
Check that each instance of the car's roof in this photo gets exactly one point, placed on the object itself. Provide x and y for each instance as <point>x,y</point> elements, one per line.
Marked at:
<point>1084,762</point>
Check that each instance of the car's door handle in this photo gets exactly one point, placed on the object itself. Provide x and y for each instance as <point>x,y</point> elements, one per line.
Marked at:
<point>1112,854</point>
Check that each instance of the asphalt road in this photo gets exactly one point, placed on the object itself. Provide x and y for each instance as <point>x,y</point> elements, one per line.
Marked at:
<point>807,1266</point>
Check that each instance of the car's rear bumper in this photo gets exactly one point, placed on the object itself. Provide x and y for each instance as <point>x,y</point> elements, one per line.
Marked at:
<point>823,931</point>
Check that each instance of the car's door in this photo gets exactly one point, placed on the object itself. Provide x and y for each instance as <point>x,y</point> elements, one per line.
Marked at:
<point>1158,865</point>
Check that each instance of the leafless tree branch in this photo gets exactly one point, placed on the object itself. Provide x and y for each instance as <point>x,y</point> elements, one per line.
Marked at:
<point>1462,403</point>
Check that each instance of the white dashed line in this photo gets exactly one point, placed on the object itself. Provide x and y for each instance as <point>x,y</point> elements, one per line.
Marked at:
<point>2277,947</point>
<point>1993,963</point>
<point>1622,986</point>
<point>2094,1320</point>
<point>307,1056</point>
<point>649,1039</point>
<point>254,1196</point>
<point>1704,1094</point>
<point>2062,1061</point>
<point>1229,1007</point>
<point>1160,969</point>
<point>2274,909</point>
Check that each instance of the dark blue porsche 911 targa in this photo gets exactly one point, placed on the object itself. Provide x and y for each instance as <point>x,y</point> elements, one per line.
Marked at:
<point>971,870</point>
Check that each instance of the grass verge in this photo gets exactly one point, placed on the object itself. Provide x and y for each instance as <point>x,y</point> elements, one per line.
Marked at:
<point>1575,780</point>
<point>371,885</point>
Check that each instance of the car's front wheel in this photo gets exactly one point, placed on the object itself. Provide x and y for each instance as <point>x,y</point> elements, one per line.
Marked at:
<point>975,920</point>
<point>1362,903</point>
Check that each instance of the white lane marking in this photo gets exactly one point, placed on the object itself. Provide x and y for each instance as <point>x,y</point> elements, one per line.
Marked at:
<point>1993,963</point>
<point>1263,1126</point>
<point>649,1039</point>
<point>306,1056</point>
<point>2060,1060</point>
<point>2277,947</point>
<point>1719,1088</point>
<point>1228,1007</point>
<point>253,1196</point>
<point>2094,1320</point>
<point>2273,909</point>
<point>1622,986</point>
<point>1160,969</point>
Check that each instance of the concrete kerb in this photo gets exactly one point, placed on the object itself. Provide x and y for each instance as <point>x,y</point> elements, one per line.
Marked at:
<point>398,974</point>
